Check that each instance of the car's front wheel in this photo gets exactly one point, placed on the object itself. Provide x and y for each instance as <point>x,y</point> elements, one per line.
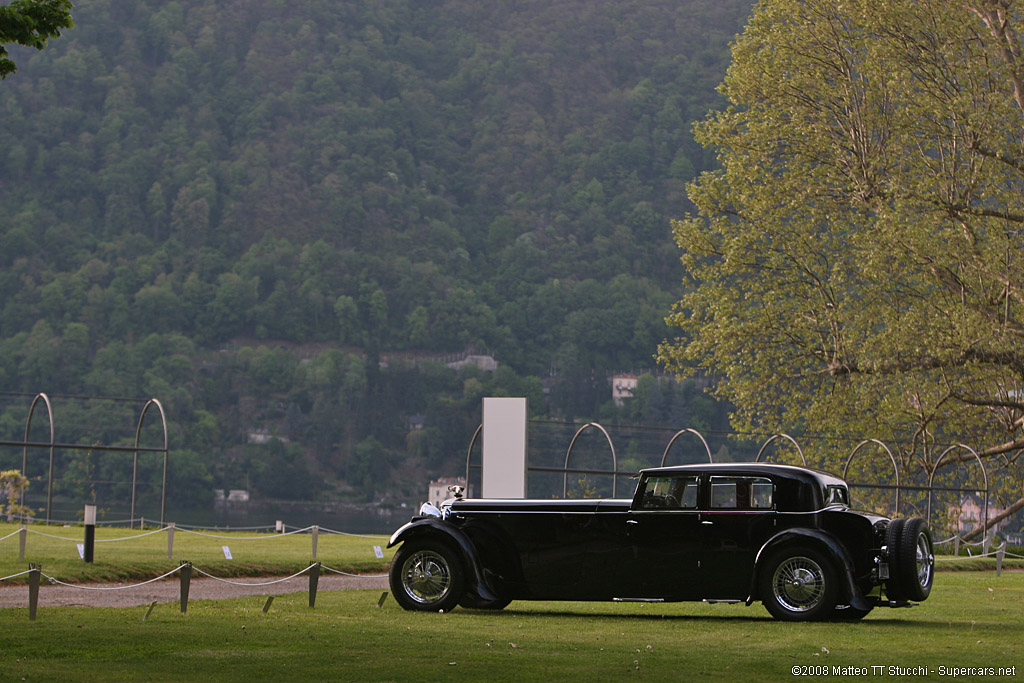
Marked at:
<point>427,577</point>
<point>798,584</point>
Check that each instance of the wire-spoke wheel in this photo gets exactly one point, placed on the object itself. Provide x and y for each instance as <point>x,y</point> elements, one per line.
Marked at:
<point>798,584</point>
<point>427,577</point>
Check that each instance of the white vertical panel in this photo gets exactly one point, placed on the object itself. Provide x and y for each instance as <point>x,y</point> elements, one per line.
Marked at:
<point>504,448</point>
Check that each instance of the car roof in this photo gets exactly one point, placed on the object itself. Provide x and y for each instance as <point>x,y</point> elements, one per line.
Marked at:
<point>763,468</point>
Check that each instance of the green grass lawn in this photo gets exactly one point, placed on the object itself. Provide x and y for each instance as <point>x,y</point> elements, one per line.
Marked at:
<point>973,619</point>
<point>125,554</point>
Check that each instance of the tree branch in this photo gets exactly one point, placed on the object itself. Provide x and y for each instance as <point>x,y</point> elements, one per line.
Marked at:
<point>974,533</point>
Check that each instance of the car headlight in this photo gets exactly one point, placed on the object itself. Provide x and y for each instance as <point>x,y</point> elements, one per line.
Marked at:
<point>429,510</point>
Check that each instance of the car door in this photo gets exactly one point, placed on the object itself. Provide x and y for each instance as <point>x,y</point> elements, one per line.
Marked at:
<point>737,517</point>
<point>652,551</point>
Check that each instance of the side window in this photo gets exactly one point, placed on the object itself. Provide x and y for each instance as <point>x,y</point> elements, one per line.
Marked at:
<point>742,493</point>
<point>670,492</point>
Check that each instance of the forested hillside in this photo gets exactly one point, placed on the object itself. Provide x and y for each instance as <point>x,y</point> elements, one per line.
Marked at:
<point>243,208</point>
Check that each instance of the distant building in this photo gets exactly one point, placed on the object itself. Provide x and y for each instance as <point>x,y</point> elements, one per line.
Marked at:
<point>415,423</point>
<point>222,497</point>
<point>438,492</point>
<point>485,363</point>
<point>263,436</point>
<point>623,387</point>
<point>971,513</point>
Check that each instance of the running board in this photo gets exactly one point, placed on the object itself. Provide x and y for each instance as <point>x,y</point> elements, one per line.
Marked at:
<point>638,599</point>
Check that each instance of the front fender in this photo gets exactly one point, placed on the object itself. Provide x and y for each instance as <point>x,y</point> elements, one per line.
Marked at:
<point>834,549</point>
<point>434,527</point>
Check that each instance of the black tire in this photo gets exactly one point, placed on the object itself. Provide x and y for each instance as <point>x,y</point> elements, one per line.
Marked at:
<point>798,584</point>
<point>473,602</point>
<point>911,561</point>
<point>892,535</point>
<point>427,576</point>
<point>894,585</point>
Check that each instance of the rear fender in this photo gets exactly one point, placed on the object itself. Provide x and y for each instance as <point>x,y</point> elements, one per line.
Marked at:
<point>431,527</point>
<point>824,542</point>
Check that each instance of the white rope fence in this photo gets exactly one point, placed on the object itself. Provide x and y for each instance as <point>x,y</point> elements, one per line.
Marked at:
<point>58,582</point>
<point>251,583</point>
<point>169,529</point>
<point>14,576</point>
<point>262,537</point>
<point>184,570</point>
<point>358,576</point>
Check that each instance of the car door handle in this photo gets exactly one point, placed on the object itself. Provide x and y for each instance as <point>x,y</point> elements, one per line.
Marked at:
<point>708,522</point>
<point>632,521</point>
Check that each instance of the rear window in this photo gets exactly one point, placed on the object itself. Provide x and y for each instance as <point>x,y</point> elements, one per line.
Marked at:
<point>742,493</point>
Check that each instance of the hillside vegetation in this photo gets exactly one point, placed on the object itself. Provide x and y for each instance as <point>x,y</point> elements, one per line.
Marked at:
<point>243,208</point>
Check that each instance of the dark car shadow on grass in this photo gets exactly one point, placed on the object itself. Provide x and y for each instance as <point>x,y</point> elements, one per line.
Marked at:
<point>757,614</point>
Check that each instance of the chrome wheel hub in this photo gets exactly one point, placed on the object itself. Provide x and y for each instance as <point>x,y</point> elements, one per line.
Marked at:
<point>925,561</point>
<point>798,584</point>
<point>426,577</point>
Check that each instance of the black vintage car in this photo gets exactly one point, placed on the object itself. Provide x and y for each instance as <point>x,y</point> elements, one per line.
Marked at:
<point>718,532</point>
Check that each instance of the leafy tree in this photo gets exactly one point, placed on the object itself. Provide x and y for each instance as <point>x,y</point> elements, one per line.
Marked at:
<point>283,473</point>
<point>31,23</point>
<point>13,485</point>
<point>856,261</point>
<point>397,180</point>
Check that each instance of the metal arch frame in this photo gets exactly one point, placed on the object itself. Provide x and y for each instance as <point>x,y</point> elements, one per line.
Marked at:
<point>615,462</point>
<point>135,460</point>
<point>52,445</point>
<point>24,449</point>
<point>984,474</point>
<point>784,436</point>
<point>895,467</point>
<point>675,436</point>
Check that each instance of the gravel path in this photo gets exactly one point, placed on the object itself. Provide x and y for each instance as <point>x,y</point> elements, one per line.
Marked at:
<point>169,590</point>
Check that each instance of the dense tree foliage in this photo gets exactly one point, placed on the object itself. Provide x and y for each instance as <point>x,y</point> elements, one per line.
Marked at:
<point>283,215</point>
<point>30,23</point>
<point>857,257</point>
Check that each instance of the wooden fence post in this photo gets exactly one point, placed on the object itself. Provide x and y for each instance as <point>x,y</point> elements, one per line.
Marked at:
<point>33,589</point>
<point>186,578</point>
<point>314,580</point>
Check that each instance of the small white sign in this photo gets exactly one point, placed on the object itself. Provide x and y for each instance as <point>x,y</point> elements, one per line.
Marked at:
<point>378,552</point>
<point>227,552</point>
<point>81,551</point>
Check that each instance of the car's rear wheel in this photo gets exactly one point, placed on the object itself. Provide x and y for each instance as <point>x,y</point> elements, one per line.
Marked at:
<point>911,560</point>
<point>798,584</point>
<point>427,577</point>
